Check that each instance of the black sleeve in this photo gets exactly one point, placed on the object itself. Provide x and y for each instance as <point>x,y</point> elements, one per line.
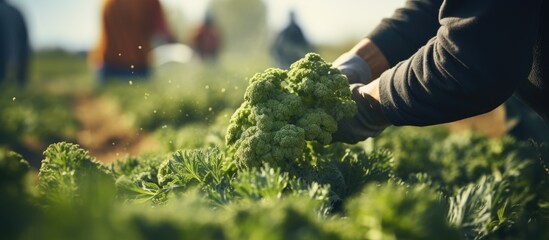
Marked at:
<point>410,27</point>
<point>481,52</point>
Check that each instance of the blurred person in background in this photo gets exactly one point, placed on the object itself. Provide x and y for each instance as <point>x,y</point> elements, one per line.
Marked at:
<point>14,45</point>
<point>128,30</point>
<point>206,40</point>
<point>290,44</point>
<point>438,61</point>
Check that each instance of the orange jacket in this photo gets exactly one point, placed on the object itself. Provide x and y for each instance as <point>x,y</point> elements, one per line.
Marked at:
<point>126,32</point>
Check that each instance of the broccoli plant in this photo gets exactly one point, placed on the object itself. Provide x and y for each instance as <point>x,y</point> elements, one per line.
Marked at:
<point>283,110</point>
<point>69,174</point>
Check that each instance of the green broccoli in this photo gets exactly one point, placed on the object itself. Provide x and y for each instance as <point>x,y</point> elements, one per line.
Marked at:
<point>69,173</point>
<point>282,110</point>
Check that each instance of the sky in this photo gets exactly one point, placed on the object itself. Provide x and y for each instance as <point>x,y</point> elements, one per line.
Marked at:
<point>74,24</point>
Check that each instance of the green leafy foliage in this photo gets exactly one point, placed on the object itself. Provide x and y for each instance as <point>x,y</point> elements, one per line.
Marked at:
<point>480,209</point>
<point>400,212</point>
<point>266,183</point>
<point>492,185</point>
<point>31,117</point>
<point>455,160</point>
<point>288,218</point>
<point>347,193</point>
<point>137,179</point>
<point>210,172</point>
<point>348,171</point>
<point>15,201</point>
<point>199,97</point>
<point>47,118</point>
<point>13,171</point>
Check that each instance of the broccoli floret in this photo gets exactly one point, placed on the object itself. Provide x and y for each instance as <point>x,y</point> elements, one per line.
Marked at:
<point>282,110</point>
<point>239,122</point>
<point>318,125</point>
<point>264,86</point>
<point>252,145</point>
<point>288,142</point>
<point>321,86</point>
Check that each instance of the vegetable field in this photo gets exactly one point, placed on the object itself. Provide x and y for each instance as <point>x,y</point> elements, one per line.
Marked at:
<point>233,152</point>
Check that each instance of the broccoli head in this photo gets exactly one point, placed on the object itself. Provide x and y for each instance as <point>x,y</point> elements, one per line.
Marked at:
<point>282,110</point>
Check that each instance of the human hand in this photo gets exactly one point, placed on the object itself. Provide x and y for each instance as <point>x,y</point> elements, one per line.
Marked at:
<point>368,122</point>
<point>354,67</point>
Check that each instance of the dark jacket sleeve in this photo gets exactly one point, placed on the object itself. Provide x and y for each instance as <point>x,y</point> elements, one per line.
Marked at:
<point>481,52</point>
<point>410,27</point>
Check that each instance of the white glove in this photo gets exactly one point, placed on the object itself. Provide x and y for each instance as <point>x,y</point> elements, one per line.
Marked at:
<point>354,67</point>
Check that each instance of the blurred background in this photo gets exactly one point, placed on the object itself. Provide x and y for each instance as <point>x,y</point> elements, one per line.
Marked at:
<point>75,25</point>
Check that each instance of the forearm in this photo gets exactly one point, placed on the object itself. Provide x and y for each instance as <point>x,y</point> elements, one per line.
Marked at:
<point>471,67</point>
<point>367,50</point>
<point>395,39</point>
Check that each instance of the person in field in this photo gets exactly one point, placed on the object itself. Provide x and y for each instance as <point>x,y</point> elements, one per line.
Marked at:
<point>290,44</point>
<point>207,40</point>
<point>438,61</point>
<point>128,29</point>
<point>14,45</point>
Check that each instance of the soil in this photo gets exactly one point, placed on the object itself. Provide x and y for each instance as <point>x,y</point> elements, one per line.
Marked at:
<point>106,133</point>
